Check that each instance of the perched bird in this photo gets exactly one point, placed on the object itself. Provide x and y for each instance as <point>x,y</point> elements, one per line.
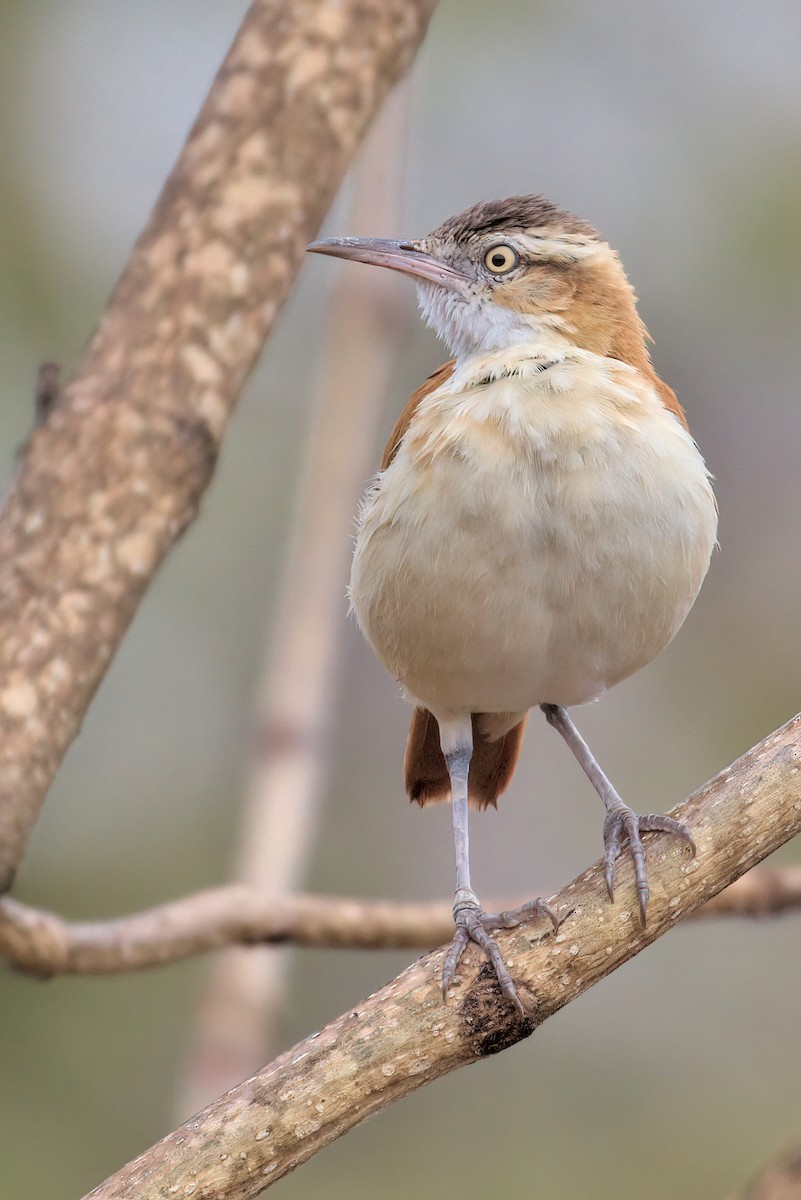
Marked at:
<point>541,523</point>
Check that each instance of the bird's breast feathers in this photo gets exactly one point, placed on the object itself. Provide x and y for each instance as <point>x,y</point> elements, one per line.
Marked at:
<point>541,532</point>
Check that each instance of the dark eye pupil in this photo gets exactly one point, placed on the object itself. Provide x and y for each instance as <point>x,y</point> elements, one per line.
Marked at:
<point>499,260</point>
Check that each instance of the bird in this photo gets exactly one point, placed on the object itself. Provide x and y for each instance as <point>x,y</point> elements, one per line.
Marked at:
<point>539,528</point>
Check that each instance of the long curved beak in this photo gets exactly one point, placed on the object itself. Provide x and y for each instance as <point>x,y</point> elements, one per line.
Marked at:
<point>397,256</point>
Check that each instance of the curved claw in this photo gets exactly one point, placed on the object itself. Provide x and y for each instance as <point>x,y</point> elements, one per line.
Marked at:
<point>474,925</point>
<point>657,823</point>
<point>469,928</point>
<point>623,827</point>
<point>511,918</point>
<point>455,952</point>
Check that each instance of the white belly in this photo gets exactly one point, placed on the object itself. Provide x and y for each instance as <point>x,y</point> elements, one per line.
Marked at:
<point>533,542</point>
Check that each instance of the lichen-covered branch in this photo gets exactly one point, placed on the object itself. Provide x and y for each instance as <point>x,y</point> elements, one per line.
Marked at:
<point>43,944</point>
<point>114,471</point>
<point>404,1036</point>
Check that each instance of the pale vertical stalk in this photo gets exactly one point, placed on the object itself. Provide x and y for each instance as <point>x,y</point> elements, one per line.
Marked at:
<point>286,779</point>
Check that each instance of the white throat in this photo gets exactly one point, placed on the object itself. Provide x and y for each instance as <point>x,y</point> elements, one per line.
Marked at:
<point>477,326</point>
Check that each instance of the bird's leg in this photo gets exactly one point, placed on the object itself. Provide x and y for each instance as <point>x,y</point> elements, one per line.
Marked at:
<point>467,912</point>
<point>622,825</point>
<point>472,923</point>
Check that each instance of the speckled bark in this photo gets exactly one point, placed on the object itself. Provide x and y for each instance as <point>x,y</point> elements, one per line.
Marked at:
<point>115,472</point>
<point>404,1036</point>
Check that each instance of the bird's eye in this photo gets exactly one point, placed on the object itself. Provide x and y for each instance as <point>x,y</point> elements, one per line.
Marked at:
<point>499,260</point>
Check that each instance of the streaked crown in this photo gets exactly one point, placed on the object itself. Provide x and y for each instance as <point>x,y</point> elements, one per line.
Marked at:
<point>511,271</point>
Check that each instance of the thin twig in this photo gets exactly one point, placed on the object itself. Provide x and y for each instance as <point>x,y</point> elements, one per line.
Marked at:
<point>115,474</point>
<point>48,390</point>
<point>404,1036</point>
<point>44,944</point>
<point>764,892</point>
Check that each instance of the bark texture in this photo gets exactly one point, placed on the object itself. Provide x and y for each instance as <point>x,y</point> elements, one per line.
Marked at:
<point>404,1036</point>
<point>115,470</point>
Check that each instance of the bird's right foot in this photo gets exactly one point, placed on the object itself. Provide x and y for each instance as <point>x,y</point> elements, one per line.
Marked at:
<point>475,925</point>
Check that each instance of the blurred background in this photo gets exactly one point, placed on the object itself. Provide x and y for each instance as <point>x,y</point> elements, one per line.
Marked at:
<point>674,129</point>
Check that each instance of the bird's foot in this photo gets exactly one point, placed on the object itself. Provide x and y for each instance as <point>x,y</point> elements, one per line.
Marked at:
<point>623,827</point>
<point>475,925</point>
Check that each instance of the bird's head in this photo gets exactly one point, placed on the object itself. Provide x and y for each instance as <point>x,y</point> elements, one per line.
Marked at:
<point>510,271</point>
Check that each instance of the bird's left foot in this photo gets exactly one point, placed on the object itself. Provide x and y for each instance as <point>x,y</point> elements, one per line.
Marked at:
<point>475,925</point>
<point>623,827</point>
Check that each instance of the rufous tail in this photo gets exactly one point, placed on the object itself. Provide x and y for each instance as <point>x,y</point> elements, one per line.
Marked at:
<point>491,766</point>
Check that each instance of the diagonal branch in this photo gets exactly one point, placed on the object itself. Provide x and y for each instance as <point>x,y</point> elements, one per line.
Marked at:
<point>43,944</point>
<point>403,1036</point>
<point>114,472</point>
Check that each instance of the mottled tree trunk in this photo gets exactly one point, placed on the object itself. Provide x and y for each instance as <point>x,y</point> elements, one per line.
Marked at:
<point>115,470</point>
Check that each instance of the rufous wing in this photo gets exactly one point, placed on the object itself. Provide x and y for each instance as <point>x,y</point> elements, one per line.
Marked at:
<point>670,401</point>
<point>491,766</point>
<point>435,380</point>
